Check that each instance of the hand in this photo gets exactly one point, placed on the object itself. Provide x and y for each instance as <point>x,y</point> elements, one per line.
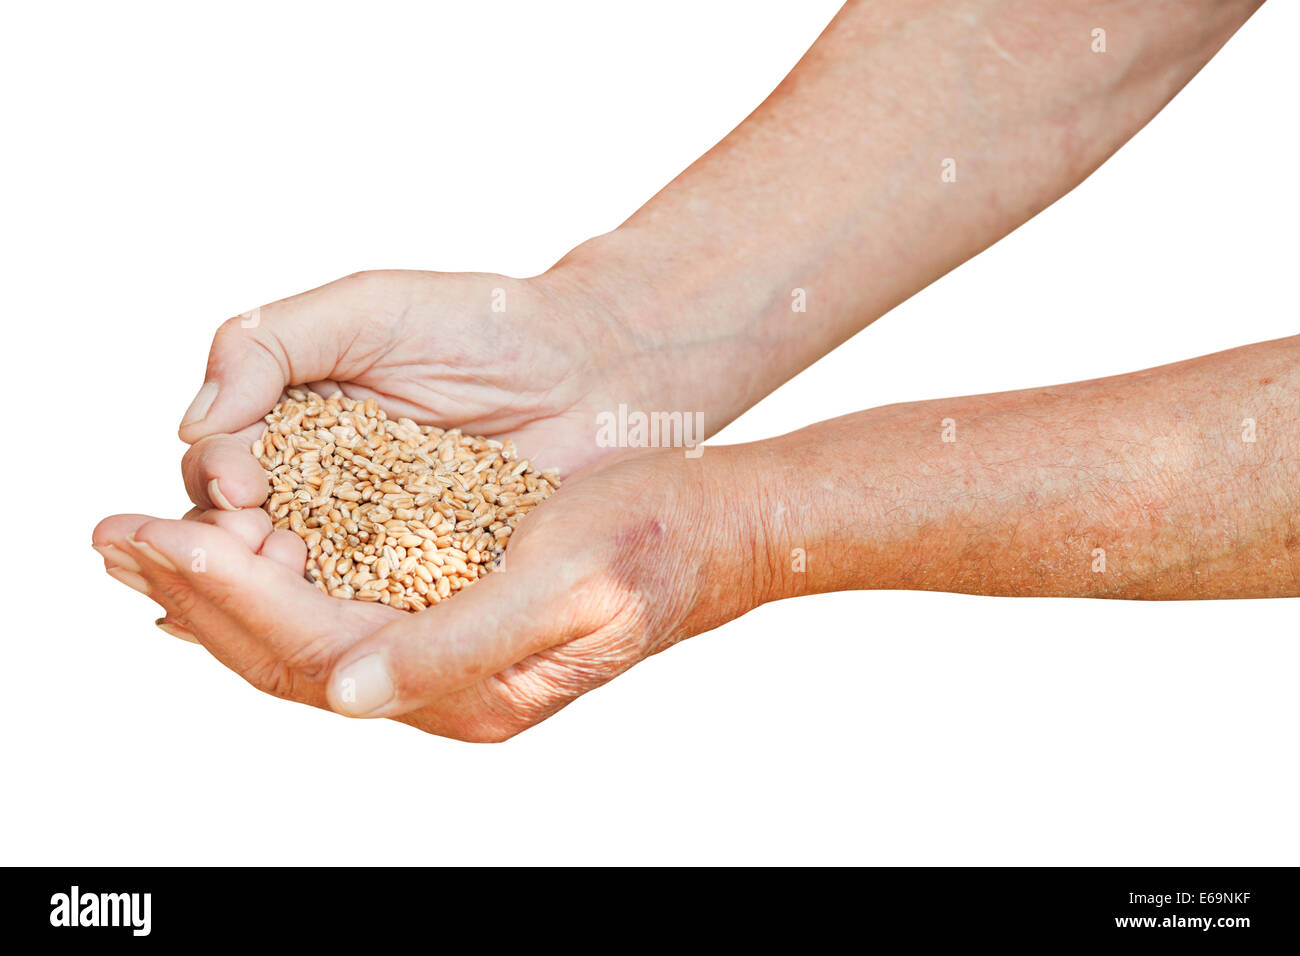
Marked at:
<point>534,360</point>
<point>618,565</point>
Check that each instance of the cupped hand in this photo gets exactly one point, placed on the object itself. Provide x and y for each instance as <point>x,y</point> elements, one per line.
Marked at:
<point>534,359</point>
<point>619,564</point>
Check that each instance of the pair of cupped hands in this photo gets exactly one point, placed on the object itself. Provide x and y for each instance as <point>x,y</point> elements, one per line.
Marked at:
<point>635,552</point>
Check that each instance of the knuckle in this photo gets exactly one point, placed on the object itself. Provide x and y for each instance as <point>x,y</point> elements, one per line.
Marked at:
<point>191,465</point>
<point>222,588</point>
<point>520,697</point>
<point>195,463</point>
<point>224,599</point>
<point>228,331</point>
<point>313,661</point>
<point>488,732</point>
<point>369,281</point>
<point>497,735</point>
<point>180,601</point>
<point>477,726</point>
<point>377,275</point>
<point>276,678</point>
<point>228,344</point>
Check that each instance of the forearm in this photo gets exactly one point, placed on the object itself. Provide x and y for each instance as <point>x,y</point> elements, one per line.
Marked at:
<point>835,186</point>
<point>1172,483</point>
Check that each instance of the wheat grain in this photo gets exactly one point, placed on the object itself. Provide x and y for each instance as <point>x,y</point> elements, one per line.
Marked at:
<point>391,511</point>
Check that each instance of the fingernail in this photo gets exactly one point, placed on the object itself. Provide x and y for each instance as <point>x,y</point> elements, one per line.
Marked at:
<point>363,687</point>
<point>130,579</point>
<point>175,630</point>
<point>150,552</point>
<point>116,557</point>
<point>198,409</point>
<point>218,499</point>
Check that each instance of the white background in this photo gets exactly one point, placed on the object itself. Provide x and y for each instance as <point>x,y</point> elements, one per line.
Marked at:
<point>165,168</point>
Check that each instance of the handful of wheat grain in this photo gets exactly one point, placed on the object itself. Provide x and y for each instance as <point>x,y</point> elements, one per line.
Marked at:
<point>392,511</point>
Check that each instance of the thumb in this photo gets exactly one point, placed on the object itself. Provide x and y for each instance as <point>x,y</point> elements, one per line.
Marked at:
<point>254,356</point>
<point>494,623</point>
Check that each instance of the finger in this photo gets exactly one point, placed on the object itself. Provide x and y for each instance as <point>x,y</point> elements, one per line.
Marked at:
<point>172,568</point>
<point>116,528</point>
<point>107,540</point>
<point>253,527</point>
<point>291,620</point>
<point>249,525</point>
<point>221,472</point>
<point>132,562</point>
<point>120,558</point>
<point>173,628</point>
<point>285,547</point>
<point>497,621</point>
<point>116,539</point>
<point>134,558</point>
<point>299,339</point>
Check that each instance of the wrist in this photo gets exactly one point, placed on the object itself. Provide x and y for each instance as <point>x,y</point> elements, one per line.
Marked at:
<point>825,508</point>
<point>692,329</point>
<point>782,529</point>
<point>733,536</point>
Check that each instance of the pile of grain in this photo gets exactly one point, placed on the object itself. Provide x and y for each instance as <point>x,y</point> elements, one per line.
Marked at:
<point>392,511</point>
